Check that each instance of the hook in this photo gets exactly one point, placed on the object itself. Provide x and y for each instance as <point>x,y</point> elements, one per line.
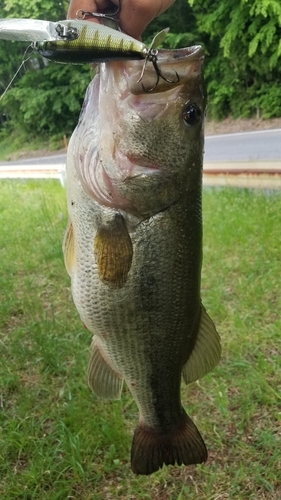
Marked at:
<point>152,57</point>
<point>83,14</point>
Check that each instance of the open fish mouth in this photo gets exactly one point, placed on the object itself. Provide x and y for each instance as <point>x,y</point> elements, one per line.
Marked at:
<point>176,66</point>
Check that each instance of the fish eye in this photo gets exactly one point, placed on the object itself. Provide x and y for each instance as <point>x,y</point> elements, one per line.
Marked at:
<point>191,114</point>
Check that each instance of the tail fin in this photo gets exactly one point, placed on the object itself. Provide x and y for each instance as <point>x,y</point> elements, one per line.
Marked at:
<point>151,448</point>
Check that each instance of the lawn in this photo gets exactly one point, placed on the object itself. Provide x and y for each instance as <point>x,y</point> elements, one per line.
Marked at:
<point>58,441</point>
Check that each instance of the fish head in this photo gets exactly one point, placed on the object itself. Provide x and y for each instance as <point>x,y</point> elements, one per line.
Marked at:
<point>141,150</point>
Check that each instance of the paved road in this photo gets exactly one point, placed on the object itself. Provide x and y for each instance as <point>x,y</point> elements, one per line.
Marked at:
<point>42,160</point>
<point>244,146</point>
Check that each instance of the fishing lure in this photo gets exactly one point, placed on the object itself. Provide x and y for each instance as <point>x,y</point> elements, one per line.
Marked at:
<point>78,41</point>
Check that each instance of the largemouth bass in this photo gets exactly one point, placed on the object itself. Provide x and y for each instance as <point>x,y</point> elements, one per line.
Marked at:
<point>133,247</point>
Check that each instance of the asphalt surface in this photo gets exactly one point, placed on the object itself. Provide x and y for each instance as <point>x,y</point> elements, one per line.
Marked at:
<point>244,146</point>
<point>40,160</point>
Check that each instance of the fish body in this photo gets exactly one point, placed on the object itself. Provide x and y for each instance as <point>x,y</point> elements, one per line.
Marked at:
<point>133,247</point>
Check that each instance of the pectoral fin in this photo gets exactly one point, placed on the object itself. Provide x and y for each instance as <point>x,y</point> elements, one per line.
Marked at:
<point>102,379</point>
<point>114,252</point>
<point>68,248</point>
<point>206,352</point>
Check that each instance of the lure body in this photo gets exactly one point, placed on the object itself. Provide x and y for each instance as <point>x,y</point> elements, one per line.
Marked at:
<point>73,41</point>
<point>93,43</point>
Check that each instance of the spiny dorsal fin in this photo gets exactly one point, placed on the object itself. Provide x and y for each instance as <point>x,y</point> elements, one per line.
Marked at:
<point>68,248</point>
<point>206,352</point>
<point>114,252</point>
<point>102,379</point>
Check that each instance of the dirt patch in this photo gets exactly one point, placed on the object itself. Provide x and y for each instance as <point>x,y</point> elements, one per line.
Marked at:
<point>229,126</point>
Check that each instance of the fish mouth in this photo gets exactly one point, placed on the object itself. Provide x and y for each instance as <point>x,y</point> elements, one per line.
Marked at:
<point>176,67</point>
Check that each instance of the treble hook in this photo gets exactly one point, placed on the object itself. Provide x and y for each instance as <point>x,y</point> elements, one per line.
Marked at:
<point>152,57</point>
<point>84,14</point>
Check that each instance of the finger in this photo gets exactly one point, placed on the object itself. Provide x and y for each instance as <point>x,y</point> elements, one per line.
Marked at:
<point>88,5</point>
<point>137,14</point>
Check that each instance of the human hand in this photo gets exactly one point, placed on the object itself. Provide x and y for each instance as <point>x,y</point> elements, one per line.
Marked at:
<point>135,15</point>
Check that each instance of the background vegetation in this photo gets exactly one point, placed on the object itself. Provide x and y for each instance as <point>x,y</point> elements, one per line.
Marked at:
<point>242,40</point>
<point>58,441</point>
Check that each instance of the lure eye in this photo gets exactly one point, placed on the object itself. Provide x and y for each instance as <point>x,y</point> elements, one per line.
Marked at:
<point>191,114</point>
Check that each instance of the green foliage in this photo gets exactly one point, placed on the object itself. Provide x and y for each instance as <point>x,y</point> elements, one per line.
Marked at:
<point>45,98</point>
<point>55,105</point>
<point>36,9</point>
<point>10,57</point>
<point>242,40</point>
<point>181,21</point>
<point>268,99</point>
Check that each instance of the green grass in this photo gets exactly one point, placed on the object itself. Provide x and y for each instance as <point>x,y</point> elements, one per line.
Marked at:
<point>58,441</point>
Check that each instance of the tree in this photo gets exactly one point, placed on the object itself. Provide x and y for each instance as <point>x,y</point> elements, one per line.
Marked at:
<point>243,42</point>
<point>45,98</point>
<point>182,23</point>
<point>35,9</point>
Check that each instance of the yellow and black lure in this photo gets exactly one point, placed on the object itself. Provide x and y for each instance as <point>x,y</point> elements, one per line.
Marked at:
<point>78,41</point>
<point>81,41</point>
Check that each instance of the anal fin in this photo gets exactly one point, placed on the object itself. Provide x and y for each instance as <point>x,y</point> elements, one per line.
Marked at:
<point>206,352</point>
<point>102,379</point>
